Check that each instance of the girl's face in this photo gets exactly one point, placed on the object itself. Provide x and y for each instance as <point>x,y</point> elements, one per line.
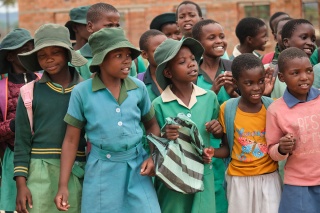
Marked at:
<point>53,59</point>
<point>299,76</point>
<point>251,85</point>
<point>153,43</point>
<point>187,17</point>
<point>117,63</point>
<point>213,40</point>
<point>172,31</point>
<point>12,57</point>
<point>303,37</point>
<point>259,41</point>
<point>183,68</point>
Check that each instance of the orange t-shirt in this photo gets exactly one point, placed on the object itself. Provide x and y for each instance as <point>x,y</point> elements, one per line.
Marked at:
<point>249,152</point>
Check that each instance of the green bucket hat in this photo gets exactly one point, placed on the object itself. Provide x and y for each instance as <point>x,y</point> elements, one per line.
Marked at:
<point>77,15</point>
<point>106,40</point>
<point>160,20</point>
<point>14,40</point>
<point>50,35</point>
<point>167,50</point>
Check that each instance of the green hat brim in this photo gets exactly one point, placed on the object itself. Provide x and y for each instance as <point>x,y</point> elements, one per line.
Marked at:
<point>5,65</point>
<point>69,25</point>
<point>196,49</point>
<point>30,60</point>
<point>99,57</point>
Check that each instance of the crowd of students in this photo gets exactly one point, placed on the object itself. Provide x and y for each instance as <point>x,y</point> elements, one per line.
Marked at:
<point>74,116</point>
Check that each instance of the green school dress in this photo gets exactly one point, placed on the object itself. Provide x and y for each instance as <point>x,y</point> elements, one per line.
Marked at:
<point>200,112</point>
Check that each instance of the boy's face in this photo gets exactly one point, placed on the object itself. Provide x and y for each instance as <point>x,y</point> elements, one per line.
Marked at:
<point>188,16</point>
<point>183,68</point>
<point>279,32</point>
<point>153,43</point>
<point>117,63</point>
<point>106,20</point>
<point>251,84</point>
<point>298,75</point>
<point>303,37</point>
<point>172,31</point>
<point>213,40</point>
<point>259,41</point>
<point>53,59</point>
<point>12,57</point>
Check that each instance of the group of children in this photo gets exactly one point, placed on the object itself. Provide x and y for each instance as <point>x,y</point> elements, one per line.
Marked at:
<point>47,130</point>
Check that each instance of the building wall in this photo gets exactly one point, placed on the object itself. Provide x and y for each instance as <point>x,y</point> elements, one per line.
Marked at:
<point>137,14</point>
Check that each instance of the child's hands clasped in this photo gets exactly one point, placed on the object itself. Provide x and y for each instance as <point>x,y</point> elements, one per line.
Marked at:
<point>171,132</point>
<point>286,144</point>
<point>207,155</point>
<point>224,79</point>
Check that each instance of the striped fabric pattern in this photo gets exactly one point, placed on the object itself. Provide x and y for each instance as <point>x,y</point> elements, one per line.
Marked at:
<point>179,163</point>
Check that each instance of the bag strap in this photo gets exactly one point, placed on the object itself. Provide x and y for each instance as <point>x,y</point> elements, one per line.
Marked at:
<point>4,97</point>
<point>140,76</point>
<point>267,58</point>
<point>229,116</point>
<point>26,93</point>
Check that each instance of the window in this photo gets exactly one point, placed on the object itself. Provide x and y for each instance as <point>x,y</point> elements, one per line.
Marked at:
<point>254,9</point>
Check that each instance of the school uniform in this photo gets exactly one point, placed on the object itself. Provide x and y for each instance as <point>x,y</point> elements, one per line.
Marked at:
<point>152,88</point>
<point>37,155</point>
<point>236,53</point>
<point>112,181</point>
<point>169,105</point>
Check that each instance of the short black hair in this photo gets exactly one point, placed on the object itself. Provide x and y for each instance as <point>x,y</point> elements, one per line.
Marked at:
<point>189,2</point>
<point>291,26</point>
<point>243,62</point>
<point>289,54</point>
<point>197,28</point>
<point>274,16</point>
<point>283,19</point>
<point>248,26</point>
<point>144,39</point>
<point>95,11</point>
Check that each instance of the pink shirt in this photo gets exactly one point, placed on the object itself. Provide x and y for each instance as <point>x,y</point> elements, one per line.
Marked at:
<point>303,121</point>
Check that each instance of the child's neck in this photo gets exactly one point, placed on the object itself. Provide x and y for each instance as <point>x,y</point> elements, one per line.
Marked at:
<point>62,78</point>
<point>153,76</point>
<point>210,65</point>
<point>112,84</point>
<point>245,48</point>
<point>79,43</point>
<point>183,92</point>
<point>249,107</point>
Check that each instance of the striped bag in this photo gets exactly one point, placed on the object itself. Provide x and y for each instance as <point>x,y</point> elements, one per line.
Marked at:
<point>179,163</point>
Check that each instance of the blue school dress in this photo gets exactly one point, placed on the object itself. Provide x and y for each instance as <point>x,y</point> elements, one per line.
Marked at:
<point>112,181</point>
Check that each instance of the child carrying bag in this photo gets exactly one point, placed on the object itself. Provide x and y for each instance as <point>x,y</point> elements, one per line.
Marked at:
<point>178,163</point>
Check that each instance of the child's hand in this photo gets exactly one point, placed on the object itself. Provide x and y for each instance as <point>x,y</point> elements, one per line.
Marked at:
<point>171,132</point>
<point>223,79</point>
<point>207,155</point>
<point>61,199</point>
<point>229,85</point>
<point>147,167</point>
<point>286,144</point>
<point>23,197</point>
<point>269,81</point>
<point>214,127</point>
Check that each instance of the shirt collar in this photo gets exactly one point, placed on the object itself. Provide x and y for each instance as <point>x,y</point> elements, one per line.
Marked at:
<point>168,96</point>
<point>291,101</point>
<point>76,78</point>
<point>86,51</point>
<point>147,79</point>
<point>236,52</point>
<point>126,85</point>
<point>205,75</point>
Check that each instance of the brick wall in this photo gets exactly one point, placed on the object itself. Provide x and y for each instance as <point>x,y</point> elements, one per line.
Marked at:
<point>137,14</point>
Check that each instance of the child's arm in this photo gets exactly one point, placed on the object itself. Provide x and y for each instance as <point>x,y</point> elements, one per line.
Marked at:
<point>215,128</point>
<point>68,155</point>
<point>23,195</point>
<point>151,126</point>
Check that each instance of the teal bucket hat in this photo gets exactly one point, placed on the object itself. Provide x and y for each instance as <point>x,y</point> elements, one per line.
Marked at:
<point>167,50</point>
<point>77,15</point>
<point>14,40</point>
<point>50,35</point>
<point>160,20</point>
<point>106,40</point>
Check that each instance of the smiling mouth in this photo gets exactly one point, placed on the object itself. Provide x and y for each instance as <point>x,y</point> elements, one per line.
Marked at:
<point>256,95</point>
<point>309,51</point>
<point>218,48</point>
<point>187,26</point>
<point>306,86</point>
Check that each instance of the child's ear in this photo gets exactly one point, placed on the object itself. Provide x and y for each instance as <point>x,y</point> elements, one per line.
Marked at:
<point>167,73</point>
<point>280,76</point>
<point>286,42</point>
<point>249,39</point>
<point>89,27</point>
<point>144,54</point>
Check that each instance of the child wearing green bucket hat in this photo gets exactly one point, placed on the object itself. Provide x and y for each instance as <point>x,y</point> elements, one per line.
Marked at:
<point>17,41</point>
<point>77,26</point>
<point>37,150</point>
<point>177,70</point>
<point>118,170</point>
<point>99,16</point>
